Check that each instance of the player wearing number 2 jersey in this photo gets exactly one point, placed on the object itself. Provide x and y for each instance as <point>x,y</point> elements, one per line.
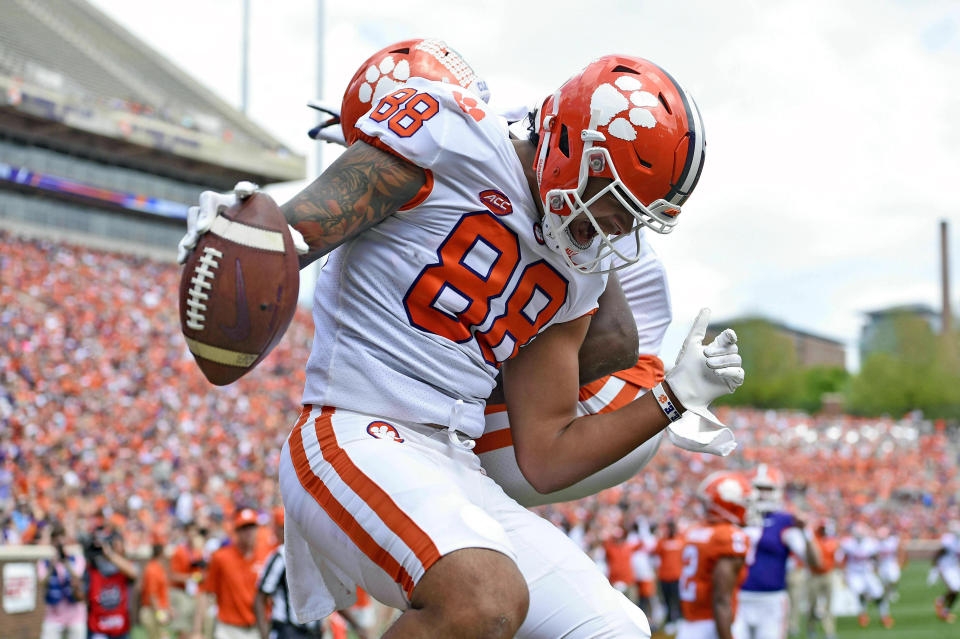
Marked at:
<point>714,556</point>
<point>449,268</point>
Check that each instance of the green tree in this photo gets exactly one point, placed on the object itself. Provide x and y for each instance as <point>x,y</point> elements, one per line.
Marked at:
<point>770,359</point>
<point>917,370</point>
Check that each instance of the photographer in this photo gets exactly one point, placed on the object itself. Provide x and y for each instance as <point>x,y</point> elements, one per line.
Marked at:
<point>62,581</point>
<point>110,578</point>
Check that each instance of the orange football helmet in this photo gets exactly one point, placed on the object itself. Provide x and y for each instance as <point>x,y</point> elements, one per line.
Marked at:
<point>726,495</point>
<point>627,120</point>
<point>393,65</point>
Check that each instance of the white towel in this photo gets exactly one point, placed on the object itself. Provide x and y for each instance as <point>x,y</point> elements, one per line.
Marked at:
<point>702,432</point>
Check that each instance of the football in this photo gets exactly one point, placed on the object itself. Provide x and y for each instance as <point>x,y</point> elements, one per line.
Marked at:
<point>238,289</point>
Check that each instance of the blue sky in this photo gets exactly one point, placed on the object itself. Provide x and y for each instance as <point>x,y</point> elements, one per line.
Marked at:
<point>832,128</point>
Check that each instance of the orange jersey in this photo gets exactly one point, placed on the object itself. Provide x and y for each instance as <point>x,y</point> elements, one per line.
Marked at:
<point>828,554</point>
<point>155,587</point>
<point>669,550</point>
<point>704,545</point>
<point>182,562</point>
<point>232,578</point>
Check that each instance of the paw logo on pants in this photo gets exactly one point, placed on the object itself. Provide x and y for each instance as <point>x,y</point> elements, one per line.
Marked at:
<point>383,430</point>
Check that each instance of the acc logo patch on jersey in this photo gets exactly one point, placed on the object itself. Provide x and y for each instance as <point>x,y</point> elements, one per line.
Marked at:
<point>383,430</point>
<point>496,201</point>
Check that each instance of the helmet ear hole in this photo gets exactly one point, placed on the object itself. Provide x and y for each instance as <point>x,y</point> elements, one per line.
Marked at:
<point>564,144</point>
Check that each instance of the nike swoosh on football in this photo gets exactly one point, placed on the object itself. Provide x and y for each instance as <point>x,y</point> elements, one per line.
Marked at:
<point>241,328</point>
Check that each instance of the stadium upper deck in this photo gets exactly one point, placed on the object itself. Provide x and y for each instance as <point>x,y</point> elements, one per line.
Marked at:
<point>101,134</point>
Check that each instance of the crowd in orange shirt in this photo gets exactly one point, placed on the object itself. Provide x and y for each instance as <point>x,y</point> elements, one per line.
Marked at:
<point>104,417</point>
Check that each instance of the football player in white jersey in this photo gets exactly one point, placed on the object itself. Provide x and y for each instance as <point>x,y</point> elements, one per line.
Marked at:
<point>459,247</point>
<point>643,282</point>
<point>890,557</point>
<point>859,555</point>
<point>947,563</point>
<point>645,288</point>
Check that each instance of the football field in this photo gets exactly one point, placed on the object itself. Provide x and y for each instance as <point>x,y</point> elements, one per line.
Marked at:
<point>913,612</point>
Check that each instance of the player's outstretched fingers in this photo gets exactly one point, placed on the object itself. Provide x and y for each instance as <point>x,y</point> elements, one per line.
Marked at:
<point>724,344</point>
<point>473,592</point>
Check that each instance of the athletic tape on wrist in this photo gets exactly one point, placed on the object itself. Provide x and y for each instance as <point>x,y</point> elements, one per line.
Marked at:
<point>665,404</point>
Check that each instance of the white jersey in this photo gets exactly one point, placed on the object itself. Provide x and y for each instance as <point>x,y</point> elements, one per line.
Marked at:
<point>415,315</point>
<point>951,544</point>
<point>859,554</point>
<point>888,550</point>
<point>888,559</point>
<point>645,287</point>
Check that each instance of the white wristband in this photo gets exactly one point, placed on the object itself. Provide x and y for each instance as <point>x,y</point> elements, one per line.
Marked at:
<point>665,404</point>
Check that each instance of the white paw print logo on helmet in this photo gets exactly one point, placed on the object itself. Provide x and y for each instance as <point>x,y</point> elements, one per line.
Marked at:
<point>623,107</point>
<point>382,78</point>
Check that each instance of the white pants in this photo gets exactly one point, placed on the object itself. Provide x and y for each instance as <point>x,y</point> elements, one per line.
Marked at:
<point>703,629</point>
<point>761,615</point>
<point>226,631</point>
<point>889,572</point>
<point>375,502</point>
<point>55,630</point>
<point>950,573</point>
<point>498,457</point>
<point>864,584</point>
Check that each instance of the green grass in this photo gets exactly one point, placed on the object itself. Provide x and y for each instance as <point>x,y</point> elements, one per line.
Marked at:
<point>913,612</point>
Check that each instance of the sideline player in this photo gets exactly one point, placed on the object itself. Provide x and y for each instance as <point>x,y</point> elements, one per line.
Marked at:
<point>714,556</point>
<point>820,586</point>
<point>947,563</point>
<point>890,558</point>
<point>669,551</point>
<point>764,602</point>
<point>859,552</point>
<point>447,292</point>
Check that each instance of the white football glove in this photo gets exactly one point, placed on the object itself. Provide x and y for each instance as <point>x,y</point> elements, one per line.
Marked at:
<point>703,373</point>
<point>212,204</point>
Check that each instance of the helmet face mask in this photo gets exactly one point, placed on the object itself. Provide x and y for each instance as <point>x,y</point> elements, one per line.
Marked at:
<point>659,216</point>
<point>649,143</point>
<point>767,485</point>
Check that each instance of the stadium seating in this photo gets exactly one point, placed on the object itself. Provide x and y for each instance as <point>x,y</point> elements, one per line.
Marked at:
<point>104,415</point>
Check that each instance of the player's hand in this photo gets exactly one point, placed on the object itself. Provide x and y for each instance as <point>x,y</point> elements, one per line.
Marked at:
<point>703,373</point>
<point>932,576</point>
<point>200,219</point>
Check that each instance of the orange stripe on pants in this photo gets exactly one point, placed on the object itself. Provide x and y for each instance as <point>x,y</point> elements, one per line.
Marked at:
<point>375,497</point>
<point>493,441</point>
<point>626,395</point>
<point>313,485</point>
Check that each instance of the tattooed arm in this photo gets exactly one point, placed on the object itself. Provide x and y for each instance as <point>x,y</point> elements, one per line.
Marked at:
<point>360,189</point>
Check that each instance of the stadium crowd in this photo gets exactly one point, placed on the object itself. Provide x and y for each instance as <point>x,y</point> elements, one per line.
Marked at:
<point>106,423</point>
